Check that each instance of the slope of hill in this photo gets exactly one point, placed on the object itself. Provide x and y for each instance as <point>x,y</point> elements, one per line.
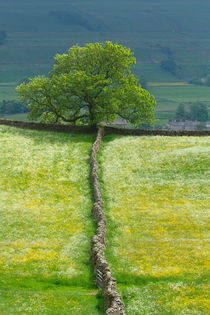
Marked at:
<point>156,194</point>
<point>155,30</point>
<point>46,224</point>
<point>155,191</point>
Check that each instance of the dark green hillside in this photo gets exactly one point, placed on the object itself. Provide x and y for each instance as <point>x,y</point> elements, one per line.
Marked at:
<point>3,35</point>
<point>156,30</point>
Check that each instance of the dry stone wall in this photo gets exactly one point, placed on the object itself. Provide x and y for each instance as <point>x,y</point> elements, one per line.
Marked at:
<point>113,301</point>
<point>108,130</point>
<point>173,133</point>
<point>48,127</point>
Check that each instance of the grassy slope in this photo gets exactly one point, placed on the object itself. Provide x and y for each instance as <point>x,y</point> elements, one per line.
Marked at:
<point>169,97</point>
<point>148,27</point>
<point>46,224</point>
<point>156,198</point>
<point>7,91</point>
<point>20,117</point>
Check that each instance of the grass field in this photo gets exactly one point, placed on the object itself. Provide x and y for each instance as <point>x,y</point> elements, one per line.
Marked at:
<point>45,224</point>
<point>170,95</point>
<point>156,193</point>
<point>180,94</point>
<point>7,91</point>
<point>21,117</point>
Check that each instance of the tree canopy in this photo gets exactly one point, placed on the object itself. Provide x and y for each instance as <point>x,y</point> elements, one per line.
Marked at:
<point>12,107</point>
<point>89,85</point>
<point>196,111</point>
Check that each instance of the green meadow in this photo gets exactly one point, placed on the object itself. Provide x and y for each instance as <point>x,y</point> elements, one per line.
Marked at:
<point>7,91</point>
<point>20,117</point>
<point>155,192</point>
<point>46,224</point>
<point>156,195</point>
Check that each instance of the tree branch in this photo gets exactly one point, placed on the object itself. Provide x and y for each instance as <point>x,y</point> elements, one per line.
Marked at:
<point>75,118</point>
<point>58,115</point>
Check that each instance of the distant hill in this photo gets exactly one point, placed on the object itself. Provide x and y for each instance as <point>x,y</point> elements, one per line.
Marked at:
<point>157,31</point>
<point>3,35</point>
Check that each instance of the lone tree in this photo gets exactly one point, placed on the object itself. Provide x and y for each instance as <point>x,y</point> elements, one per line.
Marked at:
<point>89,85</point>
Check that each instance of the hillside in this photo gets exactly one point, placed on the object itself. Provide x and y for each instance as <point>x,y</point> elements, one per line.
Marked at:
<point>155,30</point>
<point>46,224</point>
<point>156,193</point>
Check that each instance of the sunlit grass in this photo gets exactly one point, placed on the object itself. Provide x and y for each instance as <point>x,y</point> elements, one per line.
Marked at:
<point>156,197</point>
<point>45,223</point>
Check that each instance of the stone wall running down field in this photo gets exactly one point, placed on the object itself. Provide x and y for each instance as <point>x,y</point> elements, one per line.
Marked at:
<point>105,281</point>
<point>113,301</point>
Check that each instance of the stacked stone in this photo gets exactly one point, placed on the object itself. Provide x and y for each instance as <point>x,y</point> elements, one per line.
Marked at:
<point>113,301</point>
<point>48,127</point>
<point>168,133</point>
<point>108,130</point>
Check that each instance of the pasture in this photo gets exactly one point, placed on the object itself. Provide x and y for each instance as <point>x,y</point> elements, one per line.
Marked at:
<point>170,95</point>
<point>46,224</point>
<point>156,191</point>
<point>20,117</point>
<point>7,91</point>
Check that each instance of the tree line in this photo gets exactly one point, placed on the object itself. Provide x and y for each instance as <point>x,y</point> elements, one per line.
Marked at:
<point>196,111</point>
<point>12,107</point>
<point>204,81</point>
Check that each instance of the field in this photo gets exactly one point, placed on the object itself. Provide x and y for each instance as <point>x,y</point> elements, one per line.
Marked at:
<point>20,117</point>
<point>170,95</point>
<point>155,191</point>
<point>46,224</point>
<point>7,91</point>
<point>156,200</point>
